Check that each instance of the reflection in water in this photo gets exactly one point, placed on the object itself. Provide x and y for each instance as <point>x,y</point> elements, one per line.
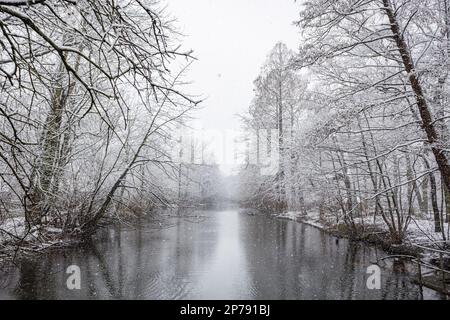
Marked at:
<point>227,255</point>
<point>225,275</point>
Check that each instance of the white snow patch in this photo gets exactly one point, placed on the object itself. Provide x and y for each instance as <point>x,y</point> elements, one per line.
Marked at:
<point>312,218</point>
<point>419,230</point>
<point>15,228</point>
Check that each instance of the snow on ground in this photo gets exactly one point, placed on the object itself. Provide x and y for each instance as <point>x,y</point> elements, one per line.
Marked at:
<point>311,218</point>
<point>12,228</point>
<point>419,230</point>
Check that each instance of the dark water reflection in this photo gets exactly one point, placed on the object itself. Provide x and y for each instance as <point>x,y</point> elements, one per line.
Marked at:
<point>225,255</point>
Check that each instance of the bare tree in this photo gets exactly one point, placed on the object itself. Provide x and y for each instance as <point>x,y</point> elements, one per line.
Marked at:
<point>80,82</point>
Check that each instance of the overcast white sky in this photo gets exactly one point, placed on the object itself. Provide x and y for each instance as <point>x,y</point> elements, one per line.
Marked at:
<point>231,39</point>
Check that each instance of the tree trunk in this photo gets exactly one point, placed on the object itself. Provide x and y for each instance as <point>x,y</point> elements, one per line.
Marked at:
<point>422,105</point>
<point>434,202</point>
<point>447,203</point>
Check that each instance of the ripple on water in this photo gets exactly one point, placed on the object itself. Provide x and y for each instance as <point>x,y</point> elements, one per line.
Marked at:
<point>161,287</point>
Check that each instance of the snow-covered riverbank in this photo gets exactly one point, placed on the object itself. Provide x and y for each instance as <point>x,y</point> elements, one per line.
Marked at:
<point>16,238</point>
<point>419,230</point>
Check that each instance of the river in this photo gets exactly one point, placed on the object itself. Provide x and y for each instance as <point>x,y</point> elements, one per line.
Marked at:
<point>217,254</point>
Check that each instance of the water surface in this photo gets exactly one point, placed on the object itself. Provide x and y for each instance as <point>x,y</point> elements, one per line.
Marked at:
<point>211,255</point>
